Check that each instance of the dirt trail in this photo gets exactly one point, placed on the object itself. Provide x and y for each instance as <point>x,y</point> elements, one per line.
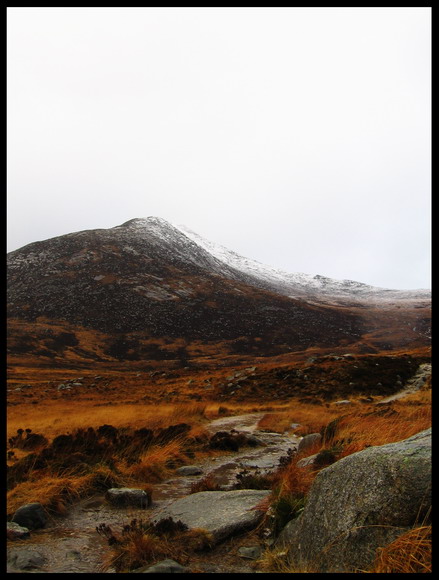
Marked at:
<point>71,543</point>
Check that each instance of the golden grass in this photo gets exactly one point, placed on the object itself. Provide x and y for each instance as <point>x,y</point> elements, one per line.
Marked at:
<point>275,561</point>
<point>56,492</point>
<point>360,426</point>
<point>310,417</point>
<point>357,428</point>
<point>138,550</point>
<point>56,417</point>
<point>55,488</point>
<point>405,420</point>
<point>410,553</point>
<point>409,416</point>
<point>152,466</point>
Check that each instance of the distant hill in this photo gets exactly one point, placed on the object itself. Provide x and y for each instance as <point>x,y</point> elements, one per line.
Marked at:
<point>147,290</point>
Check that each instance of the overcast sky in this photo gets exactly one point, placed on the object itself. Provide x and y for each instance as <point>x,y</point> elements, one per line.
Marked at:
<point>299,137</point>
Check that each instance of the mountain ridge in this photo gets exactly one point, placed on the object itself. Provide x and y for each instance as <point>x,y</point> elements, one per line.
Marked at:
<point>307,283</point>
<point>155,281</point>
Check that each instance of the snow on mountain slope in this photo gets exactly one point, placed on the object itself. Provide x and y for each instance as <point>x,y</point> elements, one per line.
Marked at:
<point>303,285</point>
<point>155,236</point>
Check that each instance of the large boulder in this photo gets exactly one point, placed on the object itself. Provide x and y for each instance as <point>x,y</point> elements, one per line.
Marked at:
<point>360,503</point>
<point>222,513</point>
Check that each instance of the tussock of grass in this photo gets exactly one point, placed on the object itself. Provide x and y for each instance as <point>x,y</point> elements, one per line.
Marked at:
<point>153,464</point>
<point>143,543</point>
<point>410,553</point>
<point>275,561</point>
<point>206,483</point>
<point>56,492</point>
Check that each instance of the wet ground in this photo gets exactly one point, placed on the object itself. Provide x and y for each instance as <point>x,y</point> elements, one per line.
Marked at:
<point>71,543</point>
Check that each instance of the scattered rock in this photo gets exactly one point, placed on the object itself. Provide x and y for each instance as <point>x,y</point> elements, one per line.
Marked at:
<point>73,554</point>
<point>189,470</point>
<point>361,502</point>
<point>253,441</point>
<point>31,516</point>
<point>222,513</point>
<point>16,532</point>
<point>164,567</point>
<point>26,559</point>
<point>126,496</point>
<point>250,552</point>
<point>306,461</point>
<point>309,441</point>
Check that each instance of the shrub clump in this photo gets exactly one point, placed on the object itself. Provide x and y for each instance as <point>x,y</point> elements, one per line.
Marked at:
<point>228,440</point>
<point>140,543</point>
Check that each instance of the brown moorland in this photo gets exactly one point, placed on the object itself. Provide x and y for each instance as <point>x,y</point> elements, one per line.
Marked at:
<point>79,402</point>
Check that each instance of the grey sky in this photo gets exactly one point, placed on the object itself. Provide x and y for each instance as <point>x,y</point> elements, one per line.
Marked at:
<point>299,137</point>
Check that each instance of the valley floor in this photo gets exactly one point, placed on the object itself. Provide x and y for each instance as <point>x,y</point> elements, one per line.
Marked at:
<point>358,394</point>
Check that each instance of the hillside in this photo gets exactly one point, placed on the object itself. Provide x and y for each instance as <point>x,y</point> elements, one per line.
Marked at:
<point>149,291</point>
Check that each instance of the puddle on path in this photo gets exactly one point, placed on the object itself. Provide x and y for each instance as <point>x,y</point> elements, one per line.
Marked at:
<point>71,543</point>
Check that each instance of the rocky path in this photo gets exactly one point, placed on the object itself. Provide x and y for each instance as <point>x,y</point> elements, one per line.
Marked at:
<point>71,543</point>
<point>413,384</point>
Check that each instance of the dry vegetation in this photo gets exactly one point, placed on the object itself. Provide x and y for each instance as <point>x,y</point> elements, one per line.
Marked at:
<point>343,434</point>
<point>408,554</point>
<point>159,402</point>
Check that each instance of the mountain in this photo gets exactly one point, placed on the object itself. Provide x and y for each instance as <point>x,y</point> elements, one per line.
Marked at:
<point>148,290</point>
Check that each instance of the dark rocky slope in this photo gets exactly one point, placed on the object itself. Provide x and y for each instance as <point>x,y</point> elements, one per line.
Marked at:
<point>147,280</point>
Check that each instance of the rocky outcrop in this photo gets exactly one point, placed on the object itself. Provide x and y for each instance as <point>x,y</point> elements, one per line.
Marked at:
<point>222,513</point>
<point>362,502</point>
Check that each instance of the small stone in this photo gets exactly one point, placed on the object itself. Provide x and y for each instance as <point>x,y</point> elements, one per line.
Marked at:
<point>189,470</point>
<point>15,532</point>
<point>126,496</point>
<point>250,552</point>
<point>309,441</point>
<point>164,567</point>
<point>306,461</point>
